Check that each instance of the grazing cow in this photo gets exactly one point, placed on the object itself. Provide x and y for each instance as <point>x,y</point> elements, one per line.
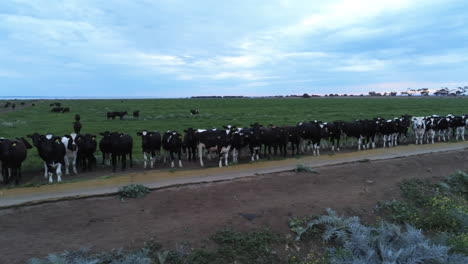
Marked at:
<point>66,109</point>
<point>190,143</point>
<point>419,128</point>
<point>22,103</point>
<point>52,152</point>
<point>214,138</point>
<point>12,155</point>
<point>151,145</point>
<point>71,152</point>
<point>77,127</point>
<point>110,115</point>
<point>56,104</point>
<point>194,111</point>
<point>33,104</point>
<point>86,147</point>
<point>355,129</point>
<point>119,145</point>
<point>121,114</point>
<point>430,123</point>
<point>7,104</point>
<point>136,113</point>
<point>57,110</point>
<point>172,143</point>
<point>313,131</point>
<point>13,106</point>
<point>77,117</point>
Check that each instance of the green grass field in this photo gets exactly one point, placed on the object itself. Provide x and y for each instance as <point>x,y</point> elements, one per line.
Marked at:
<point>165,114</point>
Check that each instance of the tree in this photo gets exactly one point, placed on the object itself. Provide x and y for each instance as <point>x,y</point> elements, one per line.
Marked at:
<point>305,96</point>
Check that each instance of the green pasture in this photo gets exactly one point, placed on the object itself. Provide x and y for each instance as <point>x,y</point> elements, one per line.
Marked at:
<point>173,114</point>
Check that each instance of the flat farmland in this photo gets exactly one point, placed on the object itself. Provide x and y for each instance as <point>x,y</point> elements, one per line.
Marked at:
<point>173,114</point>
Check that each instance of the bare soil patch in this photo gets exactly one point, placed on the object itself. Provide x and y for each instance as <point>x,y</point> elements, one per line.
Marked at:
<point>192,213</point>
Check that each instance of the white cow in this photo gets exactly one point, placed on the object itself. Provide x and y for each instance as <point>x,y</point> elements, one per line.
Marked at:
<point>71,152</point>
<point>419,128</point>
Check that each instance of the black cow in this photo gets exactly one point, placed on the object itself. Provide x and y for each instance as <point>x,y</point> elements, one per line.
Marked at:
<point>274,137</point>
<point>12,155</point>
<point>87,145</point>
<point>313,131</point>
<point>151,145</point>
<point>214,138</point>
<point>294,136</point>
<point>52,151</point>
<point>57,110</point>
<point>77,117</point>
<point>119,146</point>
<point>56,104</point>
<point>172,143</point>
<point>120,114</point>
<point>66,109</point>
<point>13,106</point>
<point>190,143</point>
<point>77,127</point>
<point>136,113</point>
<point>405,123</point>
<point>110,115</point>
<point>105,146</point>
<point>194,111</point>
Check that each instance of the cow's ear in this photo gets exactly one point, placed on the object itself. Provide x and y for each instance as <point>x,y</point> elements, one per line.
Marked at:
<point>139,134</point>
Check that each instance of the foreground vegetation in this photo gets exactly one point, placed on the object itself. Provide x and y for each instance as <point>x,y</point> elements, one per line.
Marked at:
<point>428,225</point>
<point>173,114</point>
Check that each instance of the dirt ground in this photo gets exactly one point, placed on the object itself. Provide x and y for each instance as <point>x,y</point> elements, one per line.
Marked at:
<point>192,213</point>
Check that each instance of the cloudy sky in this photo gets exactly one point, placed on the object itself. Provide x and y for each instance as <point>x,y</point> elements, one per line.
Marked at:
<point>179,48</point>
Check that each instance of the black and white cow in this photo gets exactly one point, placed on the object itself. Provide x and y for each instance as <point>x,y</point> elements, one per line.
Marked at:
<point>356,130</point>
<point>12,155</point>
<point>87,145</point>
<point>52,152</point>
<point>274,137</point>
<point>150,145</point>
<point>431,125</point>
<point>442,127</point>
<point>255,140</point>
<point>333,133</point>
<point>239,140</point>
<point>419,128</point>
<point>71,152</point>
<point>389,131</point>
<point>172,143</point>
<point>121,145</point>
<point>136,113</point>
<point>218,139</point>
<point>313,131</point>
<point>457,125</point>
<point>194,111</point>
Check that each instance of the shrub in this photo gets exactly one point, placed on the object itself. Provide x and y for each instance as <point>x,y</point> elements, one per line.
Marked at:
<point>387,243</point>
<point>303,168</point>
<point>132,191</point>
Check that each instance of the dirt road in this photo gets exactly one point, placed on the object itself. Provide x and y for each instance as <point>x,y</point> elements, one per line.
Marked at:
<point>191,213</point>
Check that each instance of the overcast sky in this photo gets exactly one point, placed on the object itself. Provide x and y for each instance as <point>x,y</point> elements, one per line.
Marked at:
<point>179,48</point>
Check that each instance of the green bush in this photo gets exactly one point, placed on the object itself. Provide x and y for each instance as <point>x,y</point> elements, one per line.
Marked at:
<point>303,168</point>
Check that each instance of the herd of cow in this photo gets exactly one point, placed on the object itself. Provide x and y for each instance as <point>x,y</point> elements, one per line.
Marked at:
<point>75,148</point>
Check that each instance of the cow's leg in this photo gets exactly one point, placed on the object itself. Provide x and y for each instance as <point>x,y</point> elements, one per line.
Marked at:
<point>145,158</point>
<point>171,153</point>
<point>220,159</point>
<point>74,164</point>
<point>114,161</point>
<point>67,164</point>
<point>123,159</point>
<point>46,174</point>
<point>257,153</point>
<point>200,154</point>
<point>359,143</point>
<point>226,155</point>
<point>179,154</point>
